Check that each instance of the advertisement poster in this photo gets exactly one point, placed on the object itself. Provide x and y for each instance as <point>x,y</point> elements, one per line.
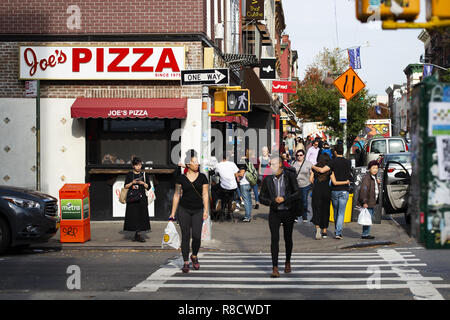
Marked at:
<point>443,150</point>
<point>439,119</point>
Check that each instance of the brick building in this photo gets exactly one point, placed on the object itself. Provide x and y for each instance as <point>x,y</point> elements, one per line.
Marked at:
<point>109,88</point>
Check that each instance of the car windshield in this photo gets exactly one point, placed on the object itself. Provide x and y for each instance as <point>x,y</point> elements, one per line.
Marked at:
<point>402,158</point>
<point>396,145</point>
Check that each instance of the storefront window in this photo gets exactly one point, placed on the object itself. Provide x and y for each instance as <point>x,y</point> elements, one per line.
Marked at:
<point>133,125</point>
<point>117,141</point>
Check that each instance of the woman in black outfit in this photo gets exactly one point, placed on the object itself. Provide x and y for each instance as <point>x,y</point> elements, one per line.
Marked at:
<point>321,197</point>
<point>280,191</point>
<point>321,194</point>
<point>192,196</point>
<point>136,214</point>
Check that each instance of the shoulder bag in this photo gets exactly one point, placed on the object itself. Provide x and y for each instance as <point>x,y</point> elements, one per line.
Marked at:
<point>133,195</point>
<point>251,174</point>
<point>123,195</point>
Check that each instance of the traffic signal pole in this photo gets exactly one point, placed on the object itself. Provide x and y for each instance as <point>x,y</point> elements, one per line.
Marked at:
<point>204,157</point>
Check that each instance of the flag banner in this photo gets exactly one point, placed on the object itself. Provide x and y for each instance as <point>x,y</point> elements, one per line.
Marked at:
<point>354,58</point>
<point>427,70</point>
<point>378,110</point>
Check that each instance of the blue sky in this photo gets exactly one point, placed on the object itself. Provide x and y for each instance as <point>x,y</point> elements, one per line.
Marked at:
<point>311,26</point>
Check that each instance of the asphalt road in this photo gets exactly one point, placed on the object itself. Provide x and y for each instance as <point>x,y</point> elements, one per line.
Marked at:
<point>155,275</point>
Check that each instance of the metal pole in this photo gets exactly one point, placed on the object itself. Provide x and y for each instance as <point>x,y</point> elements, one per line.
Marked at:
<point>38,136</point>
<point>204,158</point>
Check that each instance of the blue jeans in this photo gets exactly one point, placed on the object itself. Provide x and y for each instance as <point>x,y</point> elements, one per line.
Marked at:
<point>339,200</point>
<point>237,195</point>
<point>246,194</point>
<point>255,191</point>
<point>291,154</point>
<point>366,229</point>
<point>304,201</point>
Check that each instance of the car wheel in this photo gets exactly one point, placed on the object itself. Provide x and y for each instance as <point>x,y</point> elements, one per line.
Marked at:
<point>5,236</point>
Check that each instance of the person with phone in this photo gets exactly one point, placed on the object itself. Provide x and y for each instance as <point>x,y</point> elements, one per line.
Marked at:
<point>136,213</point>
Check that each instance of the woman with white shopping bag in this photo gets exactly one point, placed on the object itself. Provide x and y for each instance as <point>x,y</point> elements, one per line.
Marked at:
<point>368,196</point>
<point>191,198</point>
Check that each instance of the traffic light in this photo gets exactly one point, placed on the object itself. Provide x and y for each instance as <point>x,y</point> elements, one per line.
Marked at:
<point>219,101</point>
<point>237,100</point>
<point>438,8</point>
<point>407,10</point>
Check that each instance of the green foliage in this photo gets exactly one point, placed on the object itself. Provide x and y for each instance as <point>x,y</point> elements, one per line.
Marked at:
<point>445,76</point>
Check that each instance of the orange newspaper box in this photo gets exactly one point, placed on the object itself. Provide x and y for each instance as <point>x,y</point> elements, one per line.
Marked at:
<point>75,213</point>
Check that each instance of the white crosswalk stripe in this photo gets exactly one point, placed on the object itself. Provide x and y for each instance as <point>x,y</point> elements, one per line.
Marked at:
<point>381,269</point>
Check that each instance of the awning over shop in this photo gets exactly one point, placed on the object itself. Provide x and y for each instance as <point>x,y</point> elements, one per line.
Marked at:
<point>259,96</point>
<point>230,119</point>
<point>129,108</point>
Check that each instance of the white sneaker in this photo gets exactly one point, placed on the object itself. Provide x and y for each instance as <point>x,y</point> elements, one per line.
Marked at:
<point>318,234</point>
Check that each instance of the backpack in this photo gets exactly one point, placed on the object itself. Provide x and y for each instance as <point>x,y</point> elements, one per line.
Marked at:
<point>251,174</point>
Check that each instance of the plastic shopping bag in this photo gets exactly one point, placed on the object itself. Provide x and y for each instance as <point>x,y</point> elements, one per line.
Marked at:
<point>206,229</point>
<point>365,218</point>
<point>171,237</point>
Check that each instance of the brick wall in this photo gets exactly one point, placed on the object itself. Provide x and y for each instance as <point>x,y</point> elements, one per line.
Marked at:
<point>102,17</point>
<point>12,87</point>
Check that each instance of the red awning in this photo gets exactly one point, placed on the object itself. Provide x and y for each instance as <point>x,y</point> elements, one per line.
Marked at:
<point>230,119</point>
<point>129,108</point>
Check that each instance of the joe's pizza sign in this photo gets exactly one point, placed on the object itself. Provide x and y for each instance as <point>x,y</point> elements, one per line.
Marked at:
<point>102,63</point>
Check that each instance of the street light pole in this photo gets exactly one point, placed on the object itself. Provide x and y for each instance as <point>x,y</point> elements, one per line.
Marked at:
<point>38,136</point>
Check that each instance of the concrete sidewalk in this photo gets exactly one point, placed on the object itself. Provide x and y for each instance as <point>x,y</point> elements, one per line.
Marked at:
<point>240,236</point>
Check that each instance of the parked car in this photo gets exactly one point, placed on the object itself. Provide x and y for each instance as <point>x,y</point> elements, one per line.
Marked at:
<point>376,147</point>
<point>26,217</point>
<point>404,158</point>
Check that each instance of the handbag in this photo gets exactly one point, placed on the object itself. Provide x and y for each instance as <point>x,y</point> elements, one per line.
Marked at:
<point>123,195</point>
<point>151,196</point>
<point>133,195</point>
<point>365,218</point>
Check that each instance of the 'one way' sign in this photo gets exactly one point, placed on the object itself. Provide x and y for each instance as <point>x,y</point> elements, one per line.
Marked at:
<point>205,77</point>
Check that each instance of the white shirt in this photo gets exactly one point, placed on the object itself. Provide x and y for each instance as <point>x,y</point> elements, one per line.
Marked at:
<point>376,186</point>
<point>226,171</point>
<point>243,180</point>
<point>312,154</point>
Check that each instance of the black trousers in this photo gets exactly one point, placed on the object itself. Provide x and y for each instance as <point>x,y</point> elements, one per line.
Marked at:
<point>190,220</point>
<point>276,217</point>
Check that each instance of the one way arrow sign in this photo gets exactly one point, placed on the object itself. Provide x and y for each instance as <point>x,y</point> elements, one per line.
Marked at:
<point>205,77</point>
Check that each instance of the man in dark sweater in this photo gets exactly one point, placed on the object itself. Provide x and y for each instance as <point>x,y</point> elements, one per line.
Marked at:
<point>280,192</point>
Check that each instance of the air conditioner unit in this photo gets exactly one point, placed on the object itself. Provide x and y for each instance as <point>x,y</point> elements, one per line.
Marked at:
<point>218,31</point>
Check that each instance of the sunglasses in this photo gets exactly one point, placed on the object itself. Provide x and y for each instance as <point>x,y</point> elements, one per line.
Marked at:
<point>300,155</point>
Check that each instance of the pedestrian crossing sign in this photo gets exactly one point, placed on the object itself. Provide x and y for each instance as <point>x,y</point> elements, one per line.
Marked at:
<point>237,101</point>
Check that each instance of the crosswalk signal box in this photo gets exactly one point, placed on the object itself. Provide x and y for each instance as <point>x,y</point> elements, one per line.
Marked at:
<point>237,101</point>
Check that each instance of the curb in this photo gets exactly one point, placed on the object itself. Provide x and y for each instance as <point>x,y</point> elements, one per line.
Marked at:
<point>369,244</point>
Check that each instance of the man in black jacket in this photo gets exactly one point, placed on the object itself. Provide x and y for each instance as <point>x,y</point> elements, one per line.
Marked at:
<point>280,192</point>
